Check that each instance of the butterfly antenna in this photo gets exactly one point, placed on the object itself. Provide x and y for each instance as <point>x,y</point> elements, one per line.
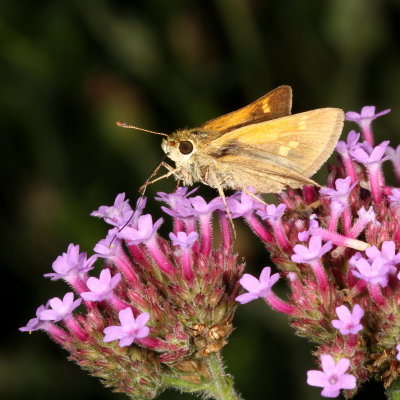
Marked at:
<point>125,125</point>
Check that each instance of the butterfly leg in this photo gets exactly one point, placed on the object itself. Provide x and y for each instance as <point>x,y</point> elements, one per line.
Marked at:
<point>178,182</point>
<point>254,196</point>
<point>223,198</point>
<point>149,181</point>
<point>172,171</point>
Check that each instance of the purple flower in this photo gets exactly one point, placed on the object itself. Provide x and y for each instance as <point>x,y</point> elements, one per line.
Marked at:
<point>71,264</point>
<point>336,207</point>
<point>183,211</point>
<point>351,144</point>
<point>366,116</point>
<point>183,240</point>
<point>145,231</point>
<point>355,258</point>
<point>109,246</point>
<point>342,192</point>
<point>367,215</point>
<point>332,378</point>
<point>257,288</point>
<point>394,154</point>
<point>313,224</point>
<point>394,197</point>
<point>140,206</point>
<point>118,214</point>
<point>180,205</point>
<point>376,273</point>
<point>272,212</point>
<point>348,322</point>
<point>101,288</point>
<point>60,308</point>
<point>352,139</point>
<point>241,204</point>
<point>311,254</point>
<point>387,253</point>
<point>131,328</point>
<point>200,206</point>
<point>375,157</point>
<point>173,199</point>
<point>37,323</point>
<point>303,236</point>
<point>398,351</point>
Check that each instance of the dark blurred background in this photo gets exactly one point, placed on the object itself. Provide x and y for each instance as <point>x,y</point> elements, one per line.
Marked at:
<point>69,70</point>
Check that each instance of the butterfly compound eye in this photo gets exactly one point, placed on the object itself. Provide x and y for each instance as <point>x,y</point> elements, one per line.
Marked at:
<point>185,147</point>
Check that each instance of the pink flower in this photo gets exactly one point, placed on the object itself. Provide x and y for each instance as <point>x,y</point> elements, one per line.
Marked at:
<point>37,323</point>
<point>200,206</point>
<point>118,214</point>
<point>263,288</point>
<point>373,158</point>
<point>394,198</point>
<point>184,240</point>
<point>351,144</point>
<point>332,378</point>
<point>342,192</point>
<point>311,254</point>
<point>101,288</point>
<point>375,272</point>
<point>180,205</point>
<point>348,322</point>
<point>60,309</point>
<point>257,287</point>
<point>131,328</point>
<point>71,264</point>
<point>387,253</point>
<point>144,232</point>
<point>366,116</point>
<point>109,246</point>
<point>272,212</point>
<point>241,204</point>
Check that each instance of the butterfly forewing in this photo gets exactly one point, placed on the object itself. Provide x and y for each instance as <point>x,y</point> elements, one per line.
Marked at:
<point>275,104</point>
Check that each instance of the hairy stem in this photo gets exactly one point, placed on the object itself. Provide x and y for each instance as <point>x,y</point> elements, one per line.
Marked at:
<point>222,383</point>
<point>218,385</point>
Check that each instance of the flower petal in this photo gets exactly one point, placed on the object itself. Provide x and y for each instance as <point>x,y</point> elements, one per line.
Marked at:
<point>348,381</point>
<point>250,283</point>
<point>316,378</point>
<point>342,366</point>
<point>246,298</point>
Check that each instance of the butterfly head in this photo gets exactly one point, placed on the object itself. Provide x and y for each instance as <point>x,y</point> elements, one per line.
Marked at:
<point>179,146</point>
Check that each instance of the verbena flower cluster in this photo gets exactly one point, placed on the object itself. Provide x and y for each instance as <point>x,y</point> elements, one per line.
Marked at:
<point>159,309</point>
<point>338,249</point>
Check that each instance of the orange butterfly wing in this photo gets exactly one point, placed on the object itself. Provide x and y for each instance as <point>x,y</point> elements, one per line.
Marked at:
<point>275,104</point>
<point>284,151</point>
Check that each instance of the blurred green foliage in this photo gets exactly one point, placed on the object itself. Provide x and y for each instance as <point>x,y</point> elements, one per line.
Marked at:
<point>70,69</point>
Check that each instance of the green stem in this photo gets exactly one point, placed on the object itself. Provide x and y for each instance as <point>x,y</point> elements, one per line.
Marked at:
<point>219,386</point>
<point>184,386</point>
<point>222,388</point>
<point>393,392</point>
